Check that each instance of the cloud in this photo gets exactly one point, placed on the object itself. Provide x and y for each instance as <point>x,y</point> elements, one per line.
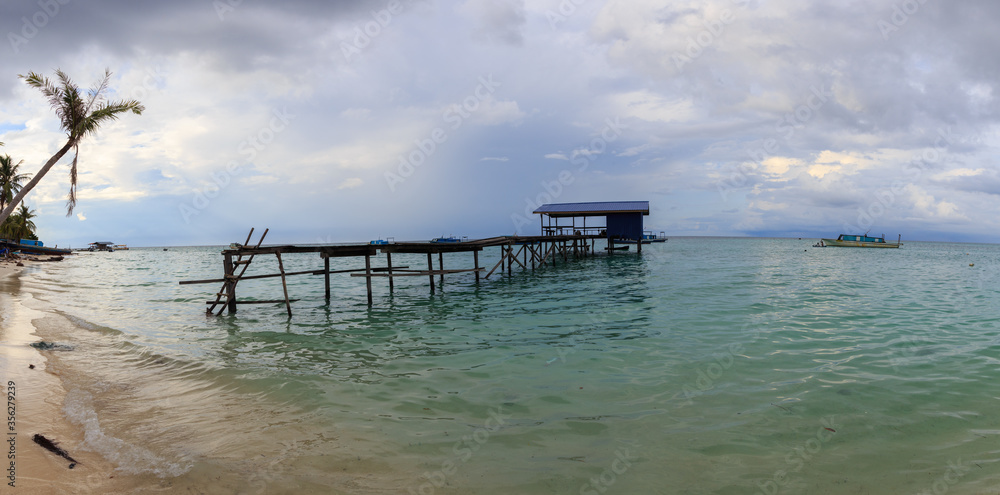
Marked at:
<point>81,217</point>
<point>351,183</point>
<point>755,116</point>
<point>497,20</point>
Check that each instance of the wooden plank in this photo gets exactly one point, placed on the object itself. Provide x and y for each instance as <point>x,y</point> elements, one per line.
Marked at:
<point>517,260</point>
<point>498,265</point>
<point>418,273</point>
<point>288,274</point>
<point>275,301</point>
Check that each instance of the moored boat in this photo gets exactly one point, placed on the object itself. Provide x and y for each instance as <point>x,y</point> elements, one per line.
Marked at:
<point>449,239</point>
<point>863,241</point>
<point>648,237</point>
<point>101,246</point>
<point>27,246</point>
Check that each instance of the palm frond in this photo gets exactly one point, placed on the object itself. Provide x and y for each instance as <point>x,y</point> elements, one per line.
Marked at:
<point>97,92</point>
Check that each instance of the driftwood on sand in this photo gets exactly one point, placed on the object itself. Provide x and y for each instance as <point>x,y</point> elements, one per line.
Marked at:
<point>54,448</point>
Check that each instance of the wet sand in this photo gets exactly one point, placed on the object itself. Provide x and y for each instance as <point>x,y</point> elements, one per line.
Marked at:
<point>38,403</point>
<point>43,392</point>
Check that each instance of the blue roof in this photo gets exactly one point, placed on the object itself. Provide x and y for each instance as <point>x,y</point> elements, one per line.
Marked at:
<point>593,209</point>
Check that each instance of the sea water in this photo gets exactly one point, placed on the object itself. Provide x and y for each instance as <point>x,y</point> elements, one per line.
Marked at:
<point>702,365</point>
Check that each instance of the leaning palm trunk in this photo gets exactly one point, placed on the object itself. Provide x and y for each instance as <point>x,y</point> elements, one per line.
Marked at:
<point>34,180</point>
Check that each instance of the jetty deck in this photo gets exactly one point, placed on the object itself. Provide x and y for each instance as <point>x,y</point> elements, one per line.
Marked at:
<point>527,252</point>
<point>559,239</point>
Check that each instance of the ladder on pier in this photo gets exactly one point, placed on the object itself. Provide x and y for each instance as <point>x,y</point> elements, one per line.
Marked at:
<point>228,290</point>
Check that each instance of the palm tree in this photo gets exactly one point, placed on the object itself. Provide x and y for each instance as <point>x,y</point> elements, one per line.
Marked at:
<point>20,224</point>
<point>10,179</point>
<point>79,116</point>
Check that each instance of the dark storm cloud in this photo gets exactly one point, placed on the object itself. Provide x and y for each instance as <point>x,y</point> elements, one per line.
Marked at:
<point>38,35</point>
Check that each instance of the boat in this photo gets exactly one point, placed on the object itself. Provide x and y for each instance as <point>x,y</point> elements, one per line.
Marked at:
<point>28,246</point>
<point>447,239</point>
<point>648,237</point>
<point>235,245</point>
<point>101,246</point>
<point>120,247</point>
<point>862,241</point>
<point>379,242</point>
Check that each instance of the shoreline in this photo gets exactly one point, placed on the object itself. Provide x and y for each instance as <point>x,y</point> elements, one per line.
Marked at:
<point>38,394</point>
<point>101,420</point>
<point>39,397</point>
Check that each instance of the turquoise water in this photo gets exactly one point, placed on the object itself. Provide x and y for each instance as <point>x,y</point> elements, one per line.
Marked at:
<point>703,365</point>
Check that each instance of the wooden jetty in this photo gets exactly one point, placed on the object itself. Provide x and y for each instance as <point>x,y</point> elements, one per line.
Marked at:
<point>527,252</point>
<point>622,221</point>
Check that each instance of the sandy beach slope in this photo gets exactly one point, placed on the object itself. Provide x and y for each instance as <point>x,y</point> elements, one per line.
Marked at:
<point>34,406</point>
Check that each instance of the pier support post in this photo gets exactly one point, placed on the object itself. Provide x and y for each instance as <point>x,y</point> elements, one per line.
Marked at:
<point>229,269</point>
<point>368,277</point>
<point>430,268</point>
<point>638,245</point>
<point>284,284</point>
<point>441,266</point>
<point>388,258</point>
<point>326,276</point>
<point>510,260</point>
<point>475,259</point>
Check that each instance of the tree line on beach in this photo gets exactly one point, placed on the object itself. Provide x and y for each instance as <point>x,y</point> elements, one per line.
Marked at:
<point>19,225</point>
<point>80,115</point>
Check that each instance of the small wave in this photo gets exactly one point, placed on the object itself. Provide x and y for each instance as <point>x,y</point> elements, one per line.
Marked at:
<point>128,458</point>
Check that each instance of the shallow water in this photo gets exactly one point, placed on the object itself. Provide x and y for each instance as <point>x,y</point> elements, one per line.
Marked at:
<point>703,365</point>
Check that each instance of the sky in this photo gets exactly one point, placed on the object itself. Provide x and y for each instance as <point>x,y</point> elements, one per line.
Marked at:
<point>356,120</point>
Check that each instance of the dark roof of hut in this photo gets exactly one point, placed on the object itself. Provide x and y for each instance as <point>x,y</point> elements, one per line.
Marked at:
<point>599,208</point>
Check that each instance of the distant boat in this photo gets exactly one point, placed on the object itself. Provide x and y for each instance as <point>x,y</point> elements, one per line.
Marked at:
<point>101,246</point>
<point>235,245</point>
<point>379,242</point>
<point>862,241</point>
<point>648,237</point>
<point>120,247</point>
<point>446,239</point>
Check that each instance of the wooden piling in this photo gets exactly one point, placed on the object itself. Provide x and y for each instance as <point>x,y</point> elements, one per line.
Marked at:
<point>388,259</point>
<point>430,268</point>
<point>284,285</point>
<point>368,277</point>
<point>510,261</point>
<point>475,260</point>
<point>230,270</point>
<point>326,277</point>
<point>441,266</point>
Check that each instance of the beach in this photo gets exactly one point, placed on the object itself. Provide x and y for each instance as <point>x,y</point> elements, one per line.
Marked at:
<point>701,366</point>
